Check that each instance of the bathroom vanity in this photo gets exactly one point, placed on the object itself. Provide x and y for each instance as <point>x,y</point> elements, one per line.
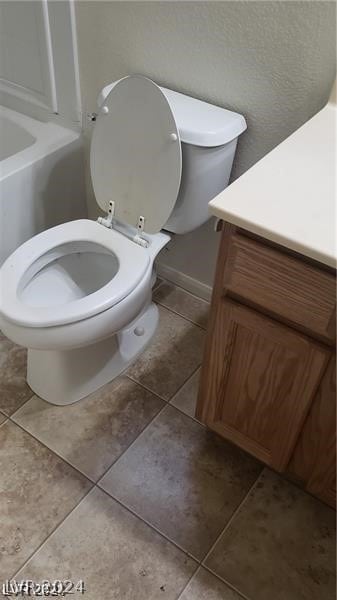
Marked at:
<point>268,381</point>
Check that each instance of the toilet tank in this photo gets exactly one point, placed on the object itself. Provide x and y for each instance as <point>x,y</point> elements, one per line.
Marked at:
<point>208,136</point>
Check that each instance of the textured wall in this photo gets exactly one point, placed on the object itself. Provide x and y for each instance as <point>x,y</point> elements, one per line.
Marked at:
<point>272,61</point>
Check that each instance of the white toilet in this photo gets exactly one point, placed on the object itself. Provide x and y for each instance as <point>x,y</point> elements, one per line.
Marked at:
<point>78,296</point>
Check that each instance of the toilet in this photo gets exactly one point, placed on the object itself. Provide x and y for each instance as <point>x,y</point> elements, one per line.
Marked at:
<point>78,295</point>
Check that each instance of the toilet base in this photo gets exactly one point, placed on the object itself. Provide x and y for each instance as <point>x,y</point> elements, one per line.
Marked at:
<point>66,376</point>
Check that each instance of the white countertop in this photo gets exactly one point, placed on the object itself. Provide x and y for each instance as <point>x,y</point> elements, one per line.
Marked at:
<point>289,196</point>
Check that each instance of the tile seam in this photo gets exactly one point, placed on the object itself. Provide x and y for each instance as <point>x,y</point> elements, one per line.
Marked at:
<point>179,314</point>
<point>199,567</point>
<point>50,450</point>
<point>150,525</point>
<point>236,511</point>
<point>175,285</point>
<point>130,445</point>
<point>94,481</point>
<point>52,532</point>
<point>21,405</point>
<point>232,517</point>
<point>156,393</point>
<point>227,583</point>
<point>166,405</point>
<point>170,310</point>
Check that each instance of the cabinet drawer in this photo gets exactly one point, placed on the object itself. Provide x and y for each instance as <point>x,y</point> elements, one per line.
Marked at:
<point>288,288</point>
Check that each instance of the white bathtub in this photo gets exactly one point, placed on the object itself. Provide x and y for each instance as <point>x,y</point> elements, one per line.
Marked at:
<point>41,178</point>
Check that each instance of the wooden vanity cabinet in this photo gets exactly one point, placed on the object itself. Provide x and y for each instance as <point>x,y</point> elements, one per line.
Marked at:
<point>267,381</point>
<point>313,462</point>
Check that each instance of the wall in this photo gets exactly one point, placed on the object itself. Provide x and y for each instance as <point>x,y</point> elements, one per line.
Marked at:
<point>272,61</point>
<point>38,60</point>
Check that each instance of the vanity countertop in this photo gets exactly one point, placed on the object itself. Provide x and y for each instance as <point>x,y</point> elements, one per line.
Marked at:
<point>288,197</point>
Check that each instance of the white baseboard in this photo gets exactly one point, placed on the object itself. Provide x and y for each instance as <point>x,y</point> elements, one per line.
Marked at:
<point>185,281</point>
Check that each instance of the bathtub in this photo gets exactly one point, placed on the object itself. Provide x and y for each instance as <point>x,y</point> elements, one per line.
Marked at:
<point>41,178</point>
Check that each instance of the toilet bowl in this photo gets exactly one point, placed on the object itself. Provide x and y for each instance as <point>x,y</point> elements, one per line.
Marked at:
<point>65,293</point>
<point>78,295</point>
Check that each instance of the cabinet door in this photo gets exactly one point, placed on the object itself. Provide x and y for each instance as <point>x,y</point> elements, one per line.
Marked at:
<point>314,460</point>
<point>258,380</point>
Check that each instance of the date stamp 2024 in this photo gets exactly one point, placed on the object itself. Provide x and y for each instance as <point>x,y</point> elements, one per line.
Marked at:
<point>41,589</point>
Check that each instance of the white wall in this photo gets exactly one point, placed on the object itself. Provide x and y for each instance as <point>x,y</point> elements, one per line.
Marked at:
<point>38,60</point>
<point>26,68</point>
<point>272,61</point>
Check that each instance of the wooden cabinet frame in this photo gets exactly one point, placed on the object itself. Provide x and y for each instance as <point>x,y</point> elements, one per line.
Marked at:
<point>265,384</point>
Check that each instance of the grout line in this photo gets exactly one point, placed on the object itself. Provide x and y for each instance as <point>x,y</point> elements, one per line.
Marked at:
<point>156,287</point>
<point>229,585</point>
<point>179,314</point>
<point>194,419</point>
<point>129,445</point>
<point>199,567</point>
<point>286,479</point>
<point>135,514</point>
<point>175,285</point>
<point>96,485</point>
<point>170,310</point>
<point>156,393</point>
<point>169,402</point>
<point>185,382</point>
<point>145,387</point>
<point>229,522</point>
<point>21,405</point>
<point>68,461</point>
<point>186,552</point>
<point>199,562</point>
<point>75,467</point>
<point>52,532</point>
<point>150,525</point>
<point>52,451</point>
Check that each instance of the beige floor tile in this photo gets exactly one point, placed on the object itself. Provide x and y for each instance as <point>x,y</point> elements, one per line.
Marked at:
<point>205,586</point>
<point>37,490</point>
<point>92,433</point>
<point>14,390</point>
<point>186,398</point>
<point>182,302</point>
<point>280,545</point>
<point>2,418</point>
<point>117,555</point>
<point>172,356</point>
<point>182,479</point>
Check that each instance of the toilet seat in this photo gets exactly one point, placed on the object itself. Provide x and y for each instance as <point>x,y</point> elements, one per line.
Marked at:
<point>135,155</point>
<point>46,247</point>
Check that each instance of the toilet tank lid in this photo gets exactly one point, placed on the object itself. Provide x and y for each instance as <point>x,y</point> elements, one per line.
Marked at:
<point>199,123</point>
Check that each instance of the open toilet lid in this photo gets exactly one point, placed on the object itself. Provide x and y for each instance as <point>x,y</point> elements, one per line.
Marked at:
<point>135,156</point>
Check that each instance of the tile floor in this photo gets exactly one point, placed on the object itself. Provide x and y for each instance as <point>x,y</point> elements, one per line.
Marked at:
<point>128,492</point>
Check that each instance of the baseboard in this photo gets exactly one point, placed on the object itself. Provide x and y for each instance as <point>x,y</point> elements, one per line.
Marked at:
<point>185,281</point>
